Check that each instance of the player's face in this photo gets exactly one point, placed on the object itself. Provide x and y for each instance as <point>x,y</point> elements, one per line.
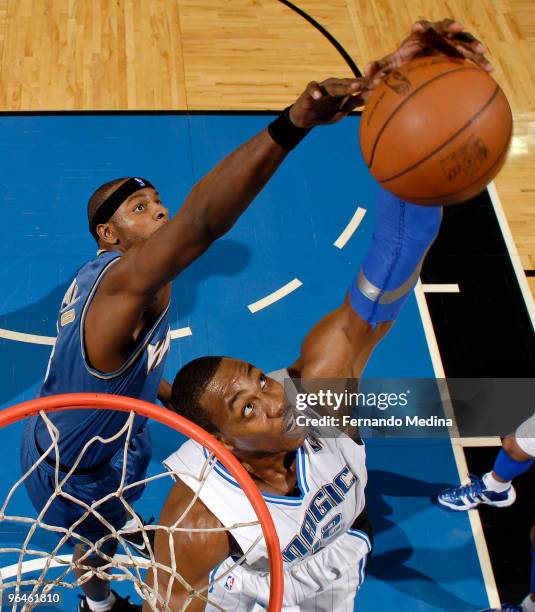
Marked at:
<point>139,217</point>
<point>250,410</point>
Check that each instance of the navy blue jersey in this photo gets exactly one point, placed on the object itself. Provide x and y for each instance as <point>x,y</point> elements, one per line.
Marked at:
<point>70,372</point>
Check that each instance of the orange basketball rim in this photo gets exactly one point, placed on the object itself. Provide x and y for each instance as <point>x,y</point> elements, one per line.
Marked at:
<point>102,401</point>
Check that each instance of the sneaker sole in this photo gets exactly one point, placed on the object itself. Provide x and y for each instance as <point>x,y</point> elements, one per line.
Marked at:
<point>449,506</point>
<point>140,552</point>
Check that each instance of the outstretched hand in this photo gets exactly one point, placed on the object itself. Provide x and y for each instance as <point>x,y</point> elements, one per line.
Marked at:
<point>332,99</point>
<point>328,101</point>
<point>427,38</point>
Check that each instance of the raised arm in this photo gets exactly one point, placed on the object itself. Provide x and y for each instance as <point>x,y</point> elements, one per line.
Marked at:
<point>164,393</point>
<point>196,553</point>
<point>136,288</point>
<point>218,199</point>
<point>340,344</point>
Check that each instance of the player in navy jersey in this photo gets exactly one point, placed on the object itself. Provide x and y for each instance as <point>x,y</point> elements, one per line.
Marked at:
<point>113,333</point>
<point>112,326</point>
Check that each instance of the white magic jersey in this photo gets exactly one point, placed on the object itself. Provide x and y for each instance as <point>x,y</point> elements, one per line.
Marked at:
<point>314,527</point>
<point>331,477</point>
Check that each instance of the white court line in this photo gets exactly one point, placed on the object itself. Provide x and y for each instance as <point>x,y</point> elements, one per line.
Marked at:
<point>10,571</point>
<point>275,296</point>
<point>483,441</point>
<point>181,332</point>
<point>513,253</point>
<point>29,338</point>
<point>8,334</point>
<point>350,229</point>
<point>441,288</point>
<point>458,454</point>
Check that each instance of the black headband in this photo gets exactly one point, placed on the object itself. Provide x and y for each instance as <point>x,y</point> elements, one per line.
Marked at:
<point>112,202</point>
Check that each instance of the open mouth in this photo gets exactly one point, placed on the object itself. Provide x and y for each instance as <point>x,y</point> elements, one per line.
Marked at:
<point>289,421</point>
<point>290,425</point>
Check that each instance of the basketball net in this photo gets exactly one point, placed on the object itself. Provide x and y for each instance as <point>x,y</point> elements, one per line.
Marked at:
<point>72,574</point>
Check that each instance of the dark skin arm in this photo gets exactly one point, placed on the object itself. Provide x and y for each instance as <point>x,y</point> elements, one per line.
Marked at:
<point>338,346</point>
<point>164,393</point>
<point>137,288</point>
<point>196,552</point>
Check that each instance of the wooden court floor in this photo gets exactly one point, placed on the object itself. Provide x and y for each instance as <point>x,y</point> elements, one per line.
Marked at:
<point>249,54</point>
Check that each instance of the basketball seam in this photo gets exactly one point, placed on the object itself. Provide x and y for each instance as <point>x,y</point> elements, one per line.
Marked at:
<point>383,127</point>
<point>445,195</point>
<point>446,142</point>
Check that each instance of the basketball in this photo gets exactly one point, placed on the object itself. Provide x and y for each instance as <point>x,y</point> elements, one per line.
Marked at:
<point>436,131</point>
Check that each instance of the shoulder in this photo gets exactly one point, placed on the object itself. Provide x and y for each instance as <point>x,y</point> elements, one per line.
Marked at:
<point>98,265</point>
<point>187,454</point>
<point>190,538</point>
<point>198,526</point>
<point>179,501</point>
<point>103,258</point>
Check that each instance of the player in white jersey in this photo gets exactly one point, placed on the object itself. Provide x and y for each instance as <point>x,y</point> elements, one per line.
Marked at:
<point>320,526</point>
<point>313,483</point>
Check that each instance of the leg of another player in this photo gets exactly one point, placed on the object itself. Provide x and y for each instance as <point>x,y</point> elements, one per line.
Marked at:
<point>97,590</point>
<point>510,463</point>
<point>98,595</point>
<point>528,605</point>
<point>495,487</point>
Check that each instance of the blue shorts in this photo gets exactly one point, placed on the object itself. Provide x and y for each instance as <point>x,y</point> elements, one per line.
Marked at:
<point>87,488</point>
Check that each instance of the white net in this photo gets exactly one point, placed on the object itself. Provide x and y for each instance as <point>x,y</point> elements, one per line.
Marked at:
<point>57,570</point>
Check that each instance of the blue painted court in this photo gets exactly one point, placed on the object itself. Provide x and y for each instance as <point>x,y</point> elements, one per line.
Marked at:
<point>425,559</point>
